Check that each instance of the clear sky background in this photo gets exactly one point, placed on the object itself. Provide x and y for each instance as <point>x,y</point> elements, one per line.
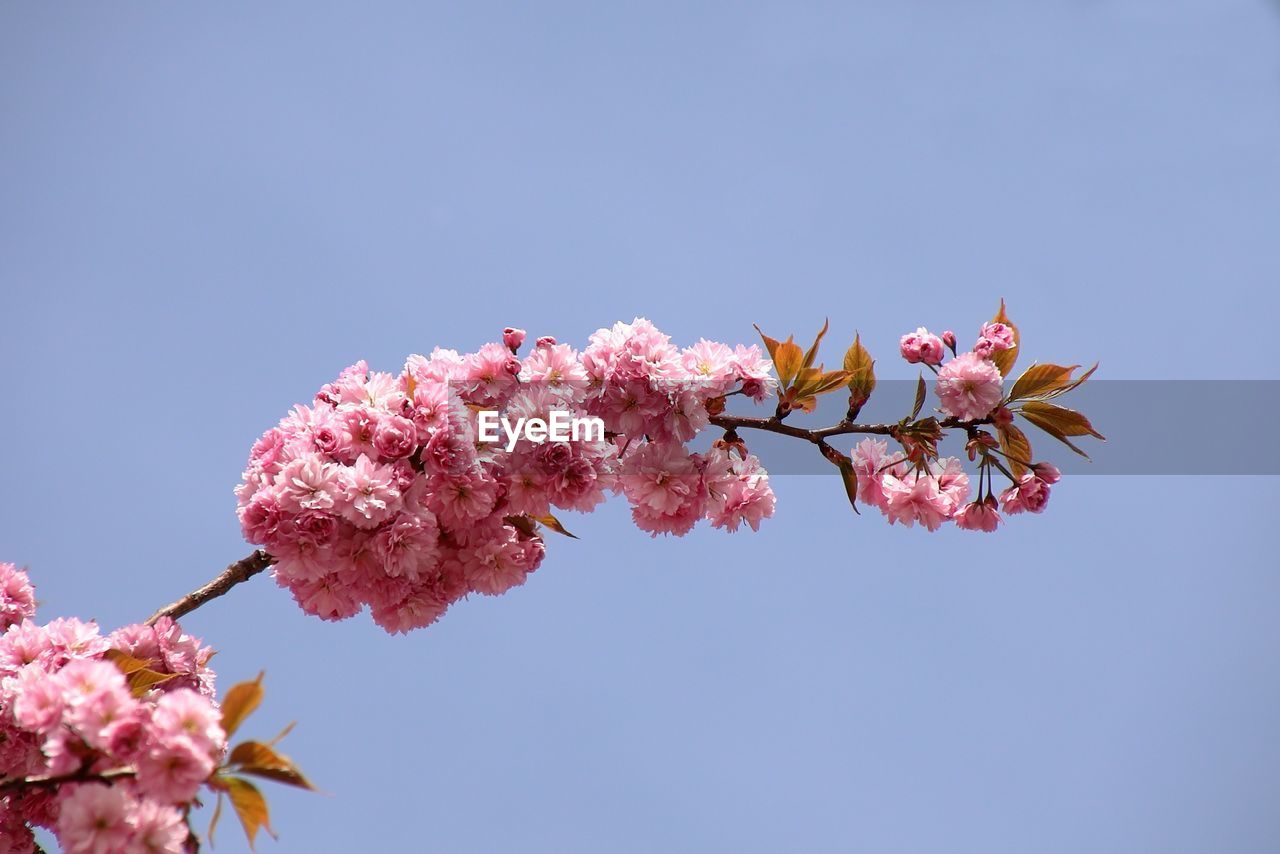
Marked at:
<point>206,212</point>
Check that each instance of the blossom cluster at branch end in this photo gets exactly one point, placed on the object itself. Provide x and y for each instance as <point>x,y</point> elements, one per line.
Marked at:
<point>381,494</point>
<point>388,493</point>
<point>130,755</point>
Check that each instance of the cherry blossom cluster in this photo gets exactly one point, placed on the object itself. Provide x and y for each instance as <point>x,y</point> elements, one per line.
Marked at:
<point>969,387</point>
<point>937,490</point>
<point>126,763</point>
<point>380,493</point>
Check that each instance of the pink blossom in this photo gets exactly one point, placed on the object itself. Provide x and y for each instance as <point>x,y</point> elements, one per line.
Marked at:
<point>712,368</point>
<point>969,387</point>
<point>978,516</point>
<point>17,598</point>
<point>513,338</point>
<point>916,498</point>
<point>368,493</point>
<point>1030,494</point>
<point>554,365</point>
<point>921,346</point>
<point>755,370</point>
<point>872,462</point>
<point>744,495</point>
<point>308,484</point>
<point>1046,472</point>
<point>394,438</point>
<point>94,819</point>
<point>993,338</point>
<point>158,828</point>
<point>407,545</point>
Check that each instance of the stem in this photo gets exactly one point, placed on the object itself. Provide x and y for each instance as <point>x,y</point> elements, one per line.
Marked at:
<point>773,425</point>
<point>81,776</point>
<point>247,567</point>
<point>238,572</point>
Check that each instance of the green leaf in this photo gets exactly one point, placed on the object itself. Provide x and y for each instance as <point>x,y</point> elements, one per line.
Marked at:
<point>239,703</point>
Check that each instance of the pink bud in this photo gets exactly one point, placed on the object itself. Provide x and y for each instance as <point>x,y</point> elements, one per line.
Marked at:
<point>1047,472</point>
<point>545,341</point>
<point>921,346</point>
<point>1002,417</point>
<point>513,338</point>
<point>949,338</point>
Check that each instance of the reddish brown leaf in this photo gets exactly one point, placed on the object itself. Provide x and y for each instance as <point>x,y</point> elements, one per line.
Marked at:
<point>239,703</point>
<point>250,807</point>
<point>1016,447</point>
<point>1041,380</point>
<point>1067,421</point>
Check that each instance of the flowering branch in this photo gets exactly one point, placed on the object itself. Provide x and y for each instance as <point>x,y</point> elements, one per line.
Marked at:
<point>844,428</point>
<point>240,571</point>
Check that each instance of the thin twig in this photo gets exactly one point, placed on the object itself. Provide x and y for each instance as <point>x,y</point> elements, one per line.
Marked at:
<point>81,776</point>
<point>238,572</point>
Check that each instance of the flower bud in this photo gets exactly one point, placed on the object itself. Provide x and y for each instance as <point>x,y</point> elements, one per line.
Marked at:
<point>1046,472</point>
<point>513,338</point>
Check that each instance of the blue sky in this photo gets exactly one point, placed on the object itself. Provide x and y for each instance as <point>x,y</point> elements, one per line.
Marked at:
<point>205,213</point>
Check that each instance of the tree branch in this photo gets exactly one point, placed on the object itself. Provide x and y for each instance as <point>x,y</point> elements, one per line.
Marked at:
<point>240,571</point>
<point>247,567</point>
<point>817,435</point>
<point>81,776</point>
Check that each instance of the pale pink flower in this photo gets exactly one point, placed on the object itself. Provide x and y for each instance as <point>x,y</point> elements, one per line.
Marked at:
<point>369,493</point>
<point>326,597</point>
<point>94,819</point>
<point>553,365</point>
<point>395,438</point>
<point>37,699</point>
<point>743,496</point>
<point>513,338</point>
<point>495,566</point>
<point>969,387</point>
<point>712,368</point>
<point>872,462</point>
<point>921,346</point>
<point>308,484</point>
<point>993,338</point>
<point>407,545</point>
<point>489,375</point>
<point>460,500</point>
<point>17,597</point>
<point>916,498</point>
<point>172,768</point>
<point>183,712</point>
<point>1031,494</point>
<point>1046,472</point>
<point>755,370</point>
<point>417,609</point>
<point>158,829</point>
<point>978,516</point>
